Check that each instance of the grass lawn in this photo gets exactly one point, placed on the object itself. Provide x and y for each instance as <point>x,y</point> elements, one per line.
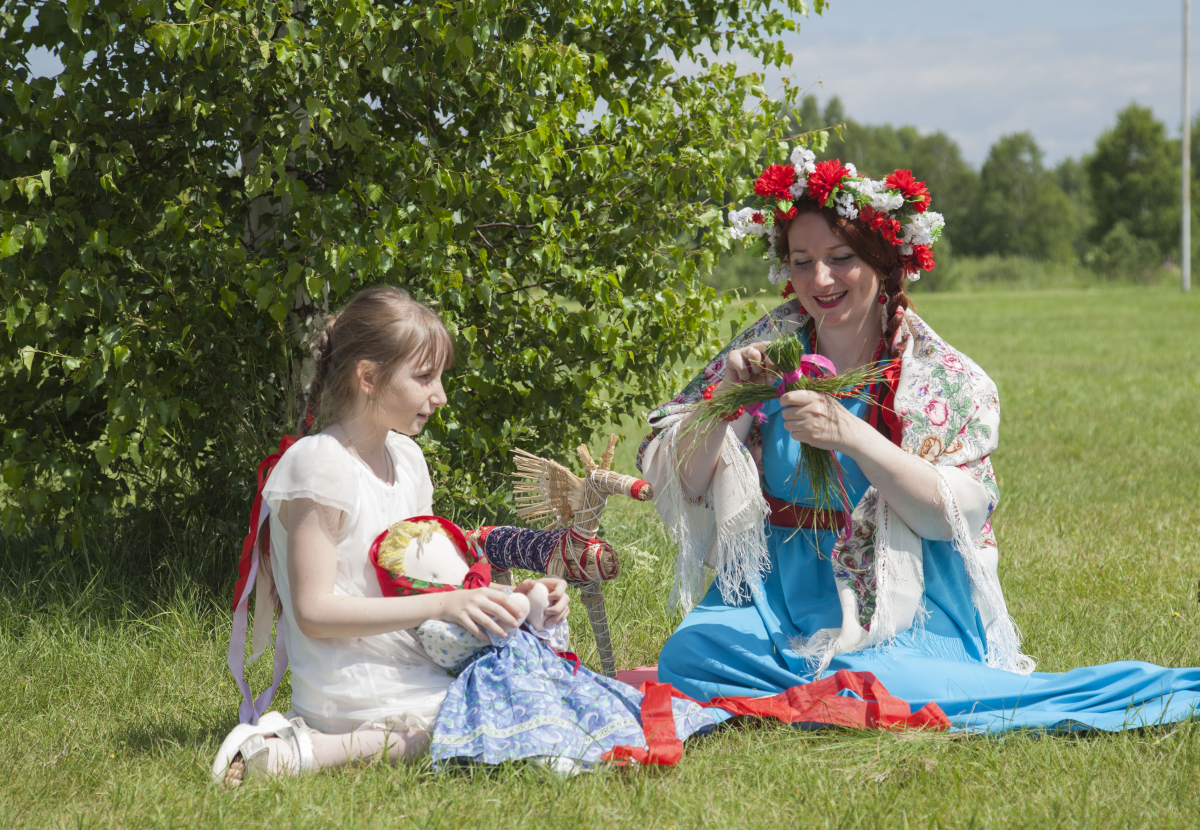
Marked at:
<point>114,697</point>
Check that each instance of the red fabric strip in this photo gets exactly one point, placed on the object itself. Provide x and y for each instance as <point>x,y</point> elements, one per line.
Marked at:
<point>658,725</point>
<point>818,702</point>
<point>478,575</point>
<point>572,657</point>
<point>887,403</point>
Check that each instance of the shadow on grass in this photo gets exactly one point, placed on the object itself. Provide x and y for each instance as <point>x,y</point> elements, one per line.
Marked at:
<point>163,734</point>
<point>127,567</point>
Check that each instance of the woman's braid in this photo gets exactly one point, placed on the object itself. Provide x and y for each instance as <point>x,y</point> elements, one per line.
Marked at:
<point>897,302</point>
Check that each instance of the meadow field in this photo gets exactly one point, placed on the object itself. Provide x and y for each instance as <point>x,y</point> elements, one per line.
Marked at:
<point>114,693</point>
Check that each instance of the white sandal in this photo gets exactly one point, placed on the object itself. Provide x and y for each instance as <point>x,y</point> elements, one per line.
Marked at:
<point>249,742</point>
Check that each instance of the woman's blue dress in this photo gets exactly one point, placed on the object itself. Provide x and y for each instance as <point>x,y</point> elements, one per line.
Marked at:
<point>720,649</point>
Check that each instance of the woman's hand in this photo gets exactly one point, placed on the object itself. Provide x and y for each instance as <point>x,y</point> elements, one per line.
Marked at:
<point>749,364</point>
<point>820,421</point>
<point>560,603</point>
<point>908,483</point>
<point>478,608</point>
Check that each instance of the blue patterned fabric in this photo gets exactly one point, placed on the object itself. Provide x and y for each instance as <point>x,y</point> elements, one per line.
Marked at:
<point>747,649</point>
<point>520,700</point>
<point>520,547</point>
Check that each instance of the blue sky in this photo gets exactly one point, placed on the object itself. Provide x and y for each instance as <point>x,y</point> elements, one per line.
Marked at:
<point>1060,69</point>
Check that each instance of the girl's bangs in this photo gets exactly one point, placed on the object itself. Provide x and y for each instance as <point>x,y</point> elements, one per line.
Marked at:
<point>433,348</point>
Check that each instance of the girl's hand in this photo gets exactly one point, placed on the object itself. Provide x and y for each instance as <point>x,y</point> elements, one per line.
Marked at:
<point>478,608</point>
<point>749,364</point>
<point>560,603</point>
<point>820,421</point>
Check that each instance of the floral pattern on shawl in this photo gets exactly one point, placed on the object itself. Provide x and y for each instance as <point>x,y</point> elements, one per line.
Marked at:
<point>949,412</point>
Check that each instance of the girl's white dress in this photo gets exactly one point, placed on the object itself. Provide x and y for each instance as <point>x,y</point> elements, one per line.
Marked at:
<point>384,681</point>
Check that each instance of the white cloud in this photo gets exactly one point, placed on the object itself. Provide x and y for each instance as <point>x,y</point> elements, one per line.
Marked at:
<point>1065,85</point>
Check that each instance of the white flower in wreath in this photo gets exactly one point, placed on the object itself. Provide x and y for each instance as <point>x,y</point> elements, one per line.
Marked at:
<point>804,160</point>
<point>888,201</point>
<point>922,228</point>
<point>772,243</point>
<point>881,199</point>
<point>777,274</point>
<point>742,224</point>
<point>846,205</point>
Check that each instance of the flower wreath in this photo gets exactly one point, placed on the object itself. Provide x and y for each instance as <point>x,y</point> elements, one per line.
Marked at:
<point>897,207</point>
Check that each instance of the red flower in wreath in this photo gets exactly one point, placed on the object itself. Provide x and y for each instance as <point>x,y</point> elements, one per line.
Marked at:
<point>921,259</point>
<point>823,180</point>
<point>885,225</point>
<point>776,182</point>
<point>914,191</point>
<point>781,217</point>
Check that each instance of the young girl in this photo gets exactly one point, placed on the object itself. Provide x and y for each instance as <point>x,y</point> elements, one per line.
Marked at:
<point>362,684</point>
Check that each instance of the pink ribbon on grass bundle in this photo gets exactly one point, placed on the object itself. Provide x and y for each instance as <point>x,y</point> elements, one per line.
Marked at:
<point>811,365</point>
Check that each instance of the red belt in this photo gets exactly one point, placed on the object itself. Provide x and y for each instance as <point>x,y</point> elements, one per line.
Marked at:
<point>786,514</point>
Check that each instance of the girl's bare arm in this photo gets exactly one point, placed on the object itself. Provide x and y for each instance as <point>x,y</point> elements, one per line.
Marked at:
<point>320,613</point>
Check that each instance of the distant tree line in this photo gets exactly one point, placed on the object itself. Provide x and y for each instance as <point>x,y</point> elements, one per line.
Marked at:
<point>1114,212</point>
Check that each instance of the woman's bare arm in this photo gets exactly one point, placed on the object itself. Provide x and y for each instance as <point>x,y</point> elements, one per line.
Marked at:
<point>698,452</point>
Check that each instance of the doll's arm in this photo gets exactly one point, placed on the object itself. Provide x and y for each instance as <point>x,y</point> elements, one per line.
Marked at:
<point>559,553</point>
<point>557,600</point>
<point>539,600</point>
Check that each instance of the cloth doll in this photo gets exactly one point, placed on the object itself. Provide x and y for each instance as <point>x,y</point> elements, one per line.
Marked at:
<point>520,697</point>
<point>429,554</point>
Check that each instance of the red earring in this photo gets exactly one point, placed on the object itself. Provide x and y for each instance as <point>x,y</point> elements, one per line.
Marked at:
<point>882,298</point>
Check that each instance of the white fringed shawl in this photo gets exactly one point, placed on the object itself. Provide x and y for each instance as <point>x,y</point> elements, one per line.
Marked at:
<point>950,416</point>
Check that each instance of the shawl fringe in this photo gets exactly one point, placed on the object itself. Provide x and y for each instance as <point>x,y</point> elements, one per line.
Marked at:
<point>1003,636</point>
<point>724,530</point>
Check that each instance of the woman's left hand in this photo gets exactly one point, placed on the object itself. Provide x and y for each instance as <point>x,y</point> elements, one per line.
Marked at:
<point>819,421</point>
<point>560,603</point>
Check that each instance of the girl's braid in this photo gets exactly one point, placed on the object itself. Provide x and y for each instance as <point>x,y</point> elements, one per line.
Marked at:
<point>321,355</point>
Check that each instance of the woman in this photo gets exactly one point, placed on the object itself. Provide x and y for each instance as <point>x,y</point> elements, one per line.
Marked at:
<point>910,592</point>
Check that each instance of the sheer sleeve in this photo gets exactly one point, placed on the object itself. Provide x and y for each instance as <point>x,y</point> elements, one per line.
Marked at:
<point>316,467</point>
<point>410,463</point>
